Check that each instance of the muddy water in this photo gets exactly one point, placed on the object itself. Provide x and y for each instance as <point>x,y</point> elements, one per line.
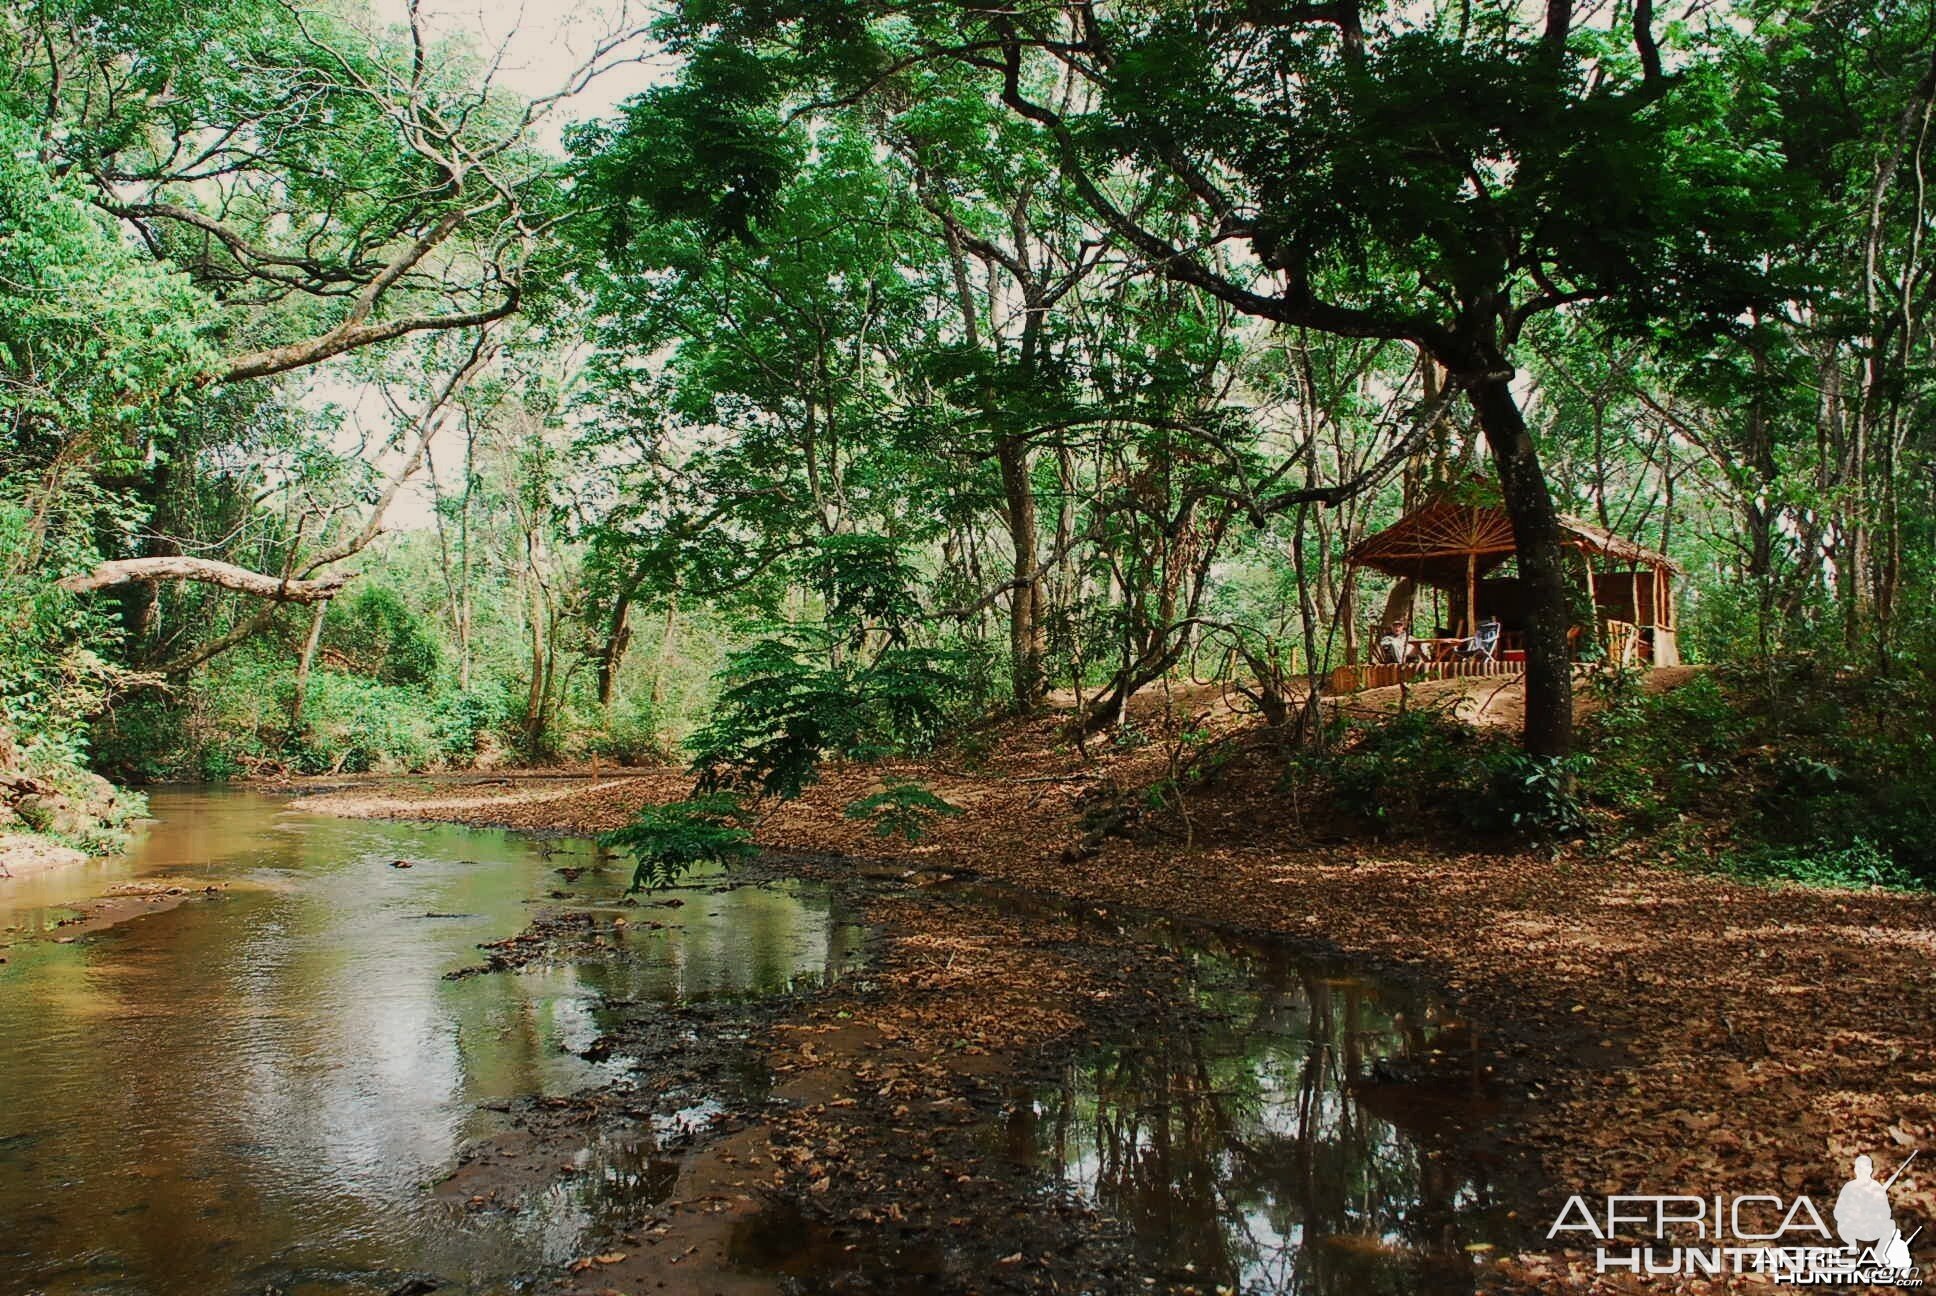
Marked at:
<point>251,1091</point>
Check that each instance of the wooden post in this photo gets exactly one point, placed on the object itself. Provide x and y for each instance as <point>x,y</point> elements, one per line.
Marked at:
<point>1471,595</point>
<point>1592,596</point>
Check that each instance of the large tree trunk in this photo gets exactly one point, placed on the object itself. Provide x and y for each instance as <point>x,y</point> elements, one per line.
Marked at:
<point>536,613</point>
<point>662,666</point>
<point>618,635</point>
<point>1026,639</point>
<point>1542,574</point>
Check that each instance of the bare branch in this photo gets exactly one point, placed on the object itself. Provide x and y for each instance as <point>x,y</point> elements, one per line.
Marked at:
<point>128,571</point>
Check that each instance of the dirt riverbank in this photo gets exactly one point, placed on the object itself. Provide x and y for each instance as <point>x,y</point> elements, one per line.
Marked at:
<point>1650,1030</point>
<point>25,854</point>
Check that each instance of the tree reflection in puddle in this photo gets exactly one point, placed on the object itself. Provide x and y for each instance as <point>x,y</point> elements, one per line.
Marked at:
<point>1279,1138</point>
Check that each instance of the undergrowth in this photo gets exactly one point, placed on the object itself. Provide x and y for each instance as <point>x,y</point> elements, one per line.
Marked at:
<point>1424,773</point>
<point>1791,771</point>
<point>1794,771</point>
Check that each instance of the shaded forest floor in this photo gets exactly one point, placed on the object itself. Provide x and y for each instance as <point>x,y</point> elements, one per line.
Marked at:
<point>1649,1030</point>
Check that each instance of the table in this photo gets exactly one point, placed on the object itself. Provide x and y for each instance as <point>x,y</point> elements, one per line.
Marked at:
<point>1431,650</point>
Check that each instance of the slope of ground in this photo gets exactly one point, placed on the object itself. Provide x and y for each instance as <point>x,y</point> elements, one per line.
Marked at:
<point>1489,702</point>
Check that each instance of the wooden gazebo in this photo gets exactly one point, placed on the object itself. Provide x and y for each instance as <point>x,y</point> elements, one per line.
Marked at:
<point>1467,551</point>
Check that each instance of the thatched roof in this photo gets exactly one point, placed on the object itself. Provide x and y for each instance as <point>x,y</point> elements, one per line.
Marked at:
<point>1432,543</point>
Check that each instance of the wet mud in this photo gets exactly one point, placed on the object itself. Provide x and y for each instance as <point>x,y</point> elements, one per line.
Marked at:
<point>1014,1094</point>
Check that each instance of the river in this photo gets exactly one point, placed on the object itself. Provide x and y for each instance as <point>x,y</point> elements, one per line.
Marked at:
<point>252,1090</point>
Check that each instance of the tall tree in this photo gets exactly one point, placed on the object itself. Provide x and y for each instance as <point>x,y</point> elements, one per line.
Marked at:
<point>1439,176</point>
<point>327,183</point>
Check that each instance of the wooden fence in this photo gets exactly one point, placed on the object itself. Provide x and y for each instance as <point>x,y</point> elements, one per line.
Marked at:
<point>1353,679</point>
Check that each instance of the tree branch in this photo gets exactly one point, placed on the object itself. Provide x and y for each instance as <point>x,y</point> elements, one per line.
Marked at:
<point>127,571</point>
<point>349,336</point>
<point>1294,307</point>
<point>1644,42</point>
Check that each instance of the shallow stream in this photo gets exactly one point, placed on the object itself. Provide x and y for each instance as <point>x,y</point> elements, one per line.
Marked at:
<point>252,1091</point>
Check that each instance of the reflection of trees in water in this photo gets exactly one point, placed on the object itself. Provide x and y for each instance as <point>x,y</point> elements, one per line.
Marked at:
<point>1241,1146</point>
<point>230,1093</point>
<point>729,940</point>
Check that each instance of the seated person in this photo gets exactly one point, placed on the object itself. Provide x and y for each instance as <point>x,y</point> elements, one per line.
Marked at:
<point>1395,643</point>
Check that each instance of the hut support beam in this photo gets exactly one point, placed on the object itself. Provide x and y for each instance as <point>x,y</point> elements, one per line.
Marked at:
<point>1471,595</point>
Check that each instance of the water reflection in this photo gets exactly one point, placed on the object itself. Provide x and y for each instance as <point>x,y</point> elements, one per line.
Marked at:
<point>254,1091</point>
<point>1275,1144</point>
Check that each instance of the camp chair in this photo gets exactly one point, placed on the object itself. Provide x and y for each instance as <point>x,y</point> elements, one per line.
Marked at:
<point>1484,644</point>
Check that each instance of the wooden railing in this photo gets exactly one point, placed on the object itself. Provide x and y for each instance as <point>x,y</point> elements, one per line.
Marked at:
<point>1352,679</point>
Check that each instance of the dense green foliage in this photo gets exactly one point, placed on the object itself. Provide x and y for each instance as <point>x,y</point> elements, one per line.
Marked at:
<point>778,713</point>
<point>1426,774</point>
<point>876,367</point>
<point>1796,771</point>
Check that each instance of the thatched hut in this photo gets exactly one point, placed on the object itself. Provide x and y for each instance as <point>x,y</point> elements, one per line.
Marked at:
<point>1466,553</point>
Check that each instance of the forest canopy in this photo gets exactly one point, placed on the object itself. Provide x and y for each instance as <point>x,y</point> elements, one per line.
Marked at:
<point>864,371</point>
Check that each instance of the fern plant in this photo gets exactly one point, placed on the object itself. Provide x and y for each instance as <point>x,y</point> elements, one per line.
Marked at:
<point>903,809</point>
<point>667,840</point>
<point>782,710</point>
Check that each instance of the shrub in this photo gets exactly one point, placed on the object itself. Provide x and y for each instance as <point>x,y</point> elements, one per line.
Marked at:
<point>233,721</point>
<point>1423,773</point>
<point>226,722</point>
<point>373,632</point>
<point>462,718</point>
<point>55,649</point>
<point>781,711</point>
<point>1860,864</point>
<point>903,809</point>
<point>1813,772</point>
<point>667,840</point>
<point>352,724</point>
<point>632,733</point>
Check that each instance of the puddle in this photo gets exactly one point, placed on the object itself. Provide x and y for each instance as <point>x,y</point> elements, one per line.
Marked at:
<point>1262,1122</point>
<point>1277,1136</point>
